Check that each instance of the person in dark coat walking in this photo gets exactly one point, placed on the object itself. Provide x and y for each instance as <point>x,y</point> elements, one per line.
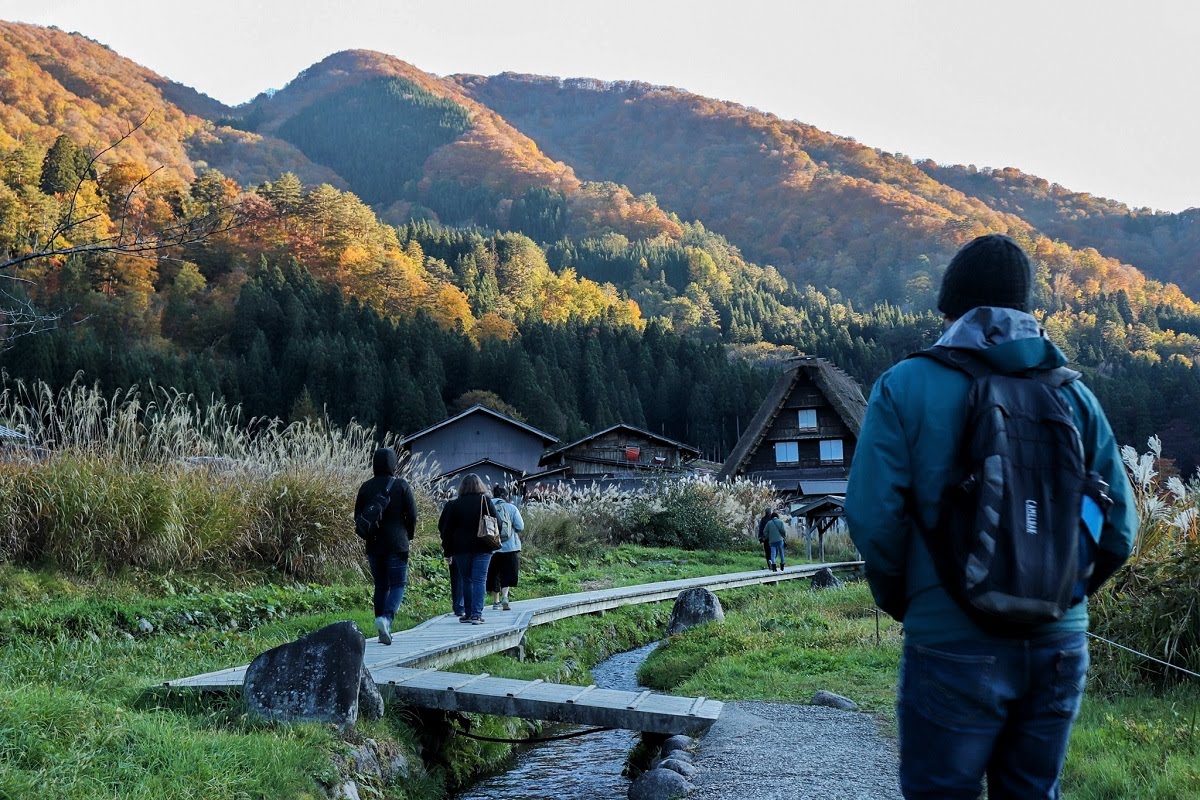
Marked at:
<point>762,535</point>
<point>387,549</point>
<point>459,526</point>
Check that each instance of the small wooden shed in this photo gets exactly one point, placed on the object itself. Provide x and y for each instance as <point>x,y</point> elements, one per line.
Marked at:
<point>620,455</point>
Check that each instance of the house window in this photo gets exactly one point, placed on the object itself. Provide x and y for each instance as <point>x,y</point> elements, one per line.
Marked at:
<point>831,451</point>
<point>787,452</point>
<point>808,419</point>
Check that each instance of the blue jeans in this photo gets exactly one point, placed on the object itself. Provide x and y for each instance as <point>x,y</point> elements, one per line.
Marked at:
<point>472,576</point>
<point>390,574</point>
<point>776,553</point>
<point>1003,709</point>
<point>456,592</point>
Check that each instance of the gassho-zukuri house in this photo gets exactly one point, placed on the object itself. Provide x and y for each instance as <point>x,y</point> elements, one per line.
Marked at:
<point>802,439</point>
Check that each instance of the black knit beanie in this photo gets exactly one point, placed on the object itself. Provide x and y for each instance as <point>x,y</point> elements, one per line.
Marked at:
<point>992,270</point>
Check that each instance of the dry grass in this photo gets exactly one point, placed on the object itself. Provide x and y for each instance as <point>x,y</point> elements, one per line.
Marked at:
<point>160,481</point>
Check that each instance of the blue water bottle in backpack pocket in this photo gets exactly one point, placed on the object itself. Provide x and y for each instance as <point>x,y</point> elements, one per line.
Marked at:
<point>1093,509</point>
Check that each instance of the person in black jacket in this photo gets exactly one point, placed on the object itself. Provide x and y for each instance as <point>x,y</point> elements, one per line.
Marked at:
<point>459,526</point>
<point>387,549</point>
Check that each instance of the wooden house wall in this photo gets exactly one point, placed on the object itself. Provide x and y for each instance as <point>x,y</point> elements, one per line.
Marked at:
<point>786,428</point>
<point>478,436</point>
<point>608,452</point>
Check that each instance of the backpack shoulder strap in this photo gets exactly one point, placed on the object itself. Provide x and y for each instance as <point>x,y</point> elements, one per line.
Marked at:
<point>966,361</point>
<point>961,360</point>
<point>1058,377</point>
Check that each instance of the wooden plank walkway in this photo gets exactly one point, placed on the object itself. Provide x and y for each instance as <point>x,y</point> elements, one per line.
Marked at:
<point>556,702</point>
<point>443,641</point>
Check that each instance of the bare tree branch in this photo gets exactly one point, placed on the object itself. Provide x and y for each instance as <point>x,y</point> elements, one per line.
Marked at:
<point>19,317</point>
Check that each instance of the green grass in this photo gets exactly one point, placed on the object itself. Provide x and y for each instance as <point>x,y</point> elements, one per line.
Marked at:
<point>75,721</point>
<point>1143,747</point>
<point>785,642</point>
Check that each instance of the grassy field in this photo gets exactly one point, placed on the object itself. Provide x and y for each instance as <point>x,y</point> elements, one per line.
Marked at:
<point>784,642</point>
<point>77,654</point>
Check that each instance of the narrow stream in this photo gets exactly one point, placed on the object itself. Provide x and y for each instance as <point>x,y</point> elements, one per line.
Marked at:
<point>586,768</point>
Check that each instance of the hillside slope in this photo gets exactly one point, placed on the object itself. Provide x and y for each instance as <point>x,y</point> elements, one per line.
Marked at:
<point>52,82</point>
<point>1165,246</point>
<point>410,143</point>
<point>823,208</point>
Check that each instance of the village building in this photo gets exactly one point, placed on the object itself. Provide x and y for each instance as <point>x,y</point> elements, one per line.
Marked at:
<point>802,441</point>
<point>622,455</point>
<point>494,446</point>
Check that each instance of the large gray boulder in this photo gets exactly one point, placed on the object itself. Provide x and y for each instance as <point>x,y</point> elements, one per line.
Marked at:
<point>825,579</point>
<point>370,701</point>
<point>685,768</point>
<point>831,700</point>
<point>675,743</point>
<point>659,784</point>
<point>316,678</point>
<point>694,607</point>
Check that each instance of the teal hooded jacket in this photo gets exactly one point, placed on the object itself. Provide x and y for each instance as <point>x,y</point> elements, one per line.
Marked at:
<point>905,458</point>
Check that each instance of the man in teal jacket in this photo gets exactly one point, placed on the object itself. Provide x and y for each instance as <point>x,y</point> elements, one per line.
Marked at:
<point>969,703</point>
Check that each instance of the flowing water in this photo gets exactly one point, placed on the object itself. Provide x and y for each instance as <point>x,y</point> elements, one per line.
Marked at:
<point>585,768</point>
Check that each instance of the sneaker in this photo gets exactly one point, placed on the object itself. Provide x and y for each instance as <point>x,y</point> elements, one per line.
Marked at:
<point>381,626</point>
<point>476,620</point>
<point>506,607</point>
<point>495,606</point>
<point>465,619</point>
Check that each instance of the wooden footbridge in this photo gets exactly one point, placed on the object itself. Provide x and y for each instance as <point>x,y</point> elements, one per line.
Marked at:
<point>408,671</point>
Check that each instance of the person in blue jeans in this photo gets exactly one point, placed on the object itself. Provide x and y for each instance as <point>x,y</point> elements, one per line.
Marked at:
<point>459,527</point>
<point>775,535</point>
<point>456,592</point>
<point>972,705</point>
<point>387,549</point>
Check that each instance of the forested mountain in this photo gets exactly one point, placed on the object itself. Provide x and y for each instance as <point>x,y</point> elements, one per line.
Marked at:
<point>1163,245</point>
<point>415,145</point>
<point>389,242</point>
<point>54,83</point>
<point>823,209</point>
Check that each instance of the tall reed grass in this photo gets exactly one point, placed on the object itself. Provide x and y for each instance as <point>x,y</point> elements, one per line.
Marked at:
<point>695,512</point>
<point>156,479</point>
<point>1153,603</point>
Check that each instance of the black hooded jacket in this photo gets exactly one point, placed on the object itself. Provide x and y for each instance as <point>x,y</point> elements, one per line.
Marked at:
<point>400,517</point>
<point>459,524</point>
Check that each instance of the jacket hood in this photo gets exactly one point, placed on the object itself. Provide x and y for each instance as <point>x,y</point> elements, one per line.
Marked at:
<point>1009,340</point>
<point>384,461</point>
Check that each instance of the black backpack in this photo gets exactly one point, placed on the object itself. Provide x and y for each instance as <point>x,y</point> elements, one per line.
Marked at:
<point>1010,545</point>
<point>368,520</point>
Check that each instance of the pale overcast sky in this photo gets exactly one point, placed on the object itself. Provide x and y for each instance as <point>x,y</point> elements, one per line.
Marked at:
<point>1099,96</point>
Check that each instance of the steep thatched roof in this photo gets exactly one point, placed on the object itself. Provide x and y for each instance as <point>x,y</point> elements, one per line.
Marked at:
<point>842,392</point>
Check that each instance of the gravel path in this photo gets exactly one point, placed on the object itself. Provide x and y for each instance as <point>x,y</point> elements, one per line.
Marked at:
<point>776,751</point>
